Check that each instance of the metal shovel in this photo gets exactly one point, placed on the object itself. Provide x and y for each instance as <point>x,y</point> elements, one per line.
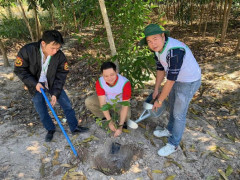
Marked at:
<point>59,123</point>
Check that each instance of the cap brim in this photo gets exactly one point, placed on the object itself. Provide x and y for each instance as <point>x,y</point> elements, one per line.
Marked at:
<point>143,42</point>
<point>167,33</point>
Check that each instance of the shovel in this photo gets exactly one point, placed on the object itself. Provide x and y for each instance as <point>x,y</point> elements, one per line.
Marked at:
<point>59,123</point>
<point>115,148</point>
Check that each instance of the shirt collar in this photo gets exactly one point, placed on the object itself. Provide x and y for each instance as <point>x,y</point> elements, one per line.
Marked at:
<point>42,55</point>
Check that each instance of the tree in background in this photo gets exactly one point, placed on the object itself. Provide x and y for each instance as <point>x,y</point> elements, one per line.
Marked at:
<point>127,19</point>
<point>25,19</point>
<point>4,53</point>
<point>34,6</point>
<point>109,30</point>
<point>238,45</point>
<point>7,5</point>
<point>227,8</point>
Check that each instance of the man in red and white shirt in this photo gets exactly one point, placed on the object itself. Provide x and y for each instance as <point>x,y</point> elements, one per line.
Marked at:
<point>108,86</point>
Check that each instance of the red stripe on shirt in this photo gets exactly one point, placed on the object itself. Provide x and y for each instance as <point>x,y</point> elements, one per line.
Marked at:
<point>127,90</point>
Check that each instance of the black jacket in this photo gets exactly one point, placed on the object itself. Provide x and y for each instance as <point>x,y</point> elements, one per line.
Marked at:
<point>28,68</point>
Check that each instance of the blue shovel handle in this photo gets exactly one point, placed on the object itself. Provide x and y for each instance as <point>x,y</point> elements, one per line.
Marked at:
<point>59,123</point>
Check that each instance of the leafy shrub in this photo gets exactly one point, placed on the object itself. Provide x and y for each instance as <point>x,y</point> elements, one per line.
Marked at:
<point>46,22</point>
<point>137,65</point>
<point>14,28</point>
<point>128,21</point>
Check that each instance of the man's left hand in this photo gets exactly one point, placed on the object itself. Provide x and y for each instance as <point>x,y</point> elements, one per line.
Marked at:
<point>118,132</point>
<point>156,105</point>
<point>53,101</point>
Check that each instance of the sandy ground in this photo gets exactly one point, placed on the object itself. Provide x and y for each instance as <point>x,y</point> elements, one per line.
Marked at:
<point>25,155</point>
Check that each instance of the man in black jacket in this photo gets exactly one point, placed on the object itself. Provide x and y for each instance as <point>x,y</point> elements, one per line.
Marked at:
<point>43,65</point>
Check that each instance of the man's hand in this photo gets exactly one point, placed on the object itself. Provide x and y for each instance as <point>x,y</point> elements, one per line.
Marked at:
<point>118,132</point>
<point>38,86</point>
<point>111,126</point>
<point>53,101</point>
<point>156,105</point>
<point>155,93</point>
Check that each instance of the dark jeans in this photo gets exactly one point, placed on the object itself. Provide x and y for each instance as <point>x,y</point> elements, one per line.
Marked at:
<point>41,108</point>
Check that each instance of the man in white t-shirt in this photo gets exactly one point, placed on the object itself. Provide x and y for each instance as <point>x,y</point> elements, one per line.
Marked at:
<point>108,86</point>
<point>175,60</point>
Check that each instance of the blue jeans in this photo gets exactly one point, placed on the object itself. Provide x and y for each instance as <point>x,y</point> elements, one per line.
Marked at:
<point>41,108</point>
<point>179,99</point>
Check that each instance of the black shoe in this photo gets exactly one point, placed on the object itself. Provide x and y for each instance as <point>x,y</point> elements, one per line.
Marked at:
<point>49,136</point>
<point>125,126</point>
<point>80,129</point>
<point>99,118</point>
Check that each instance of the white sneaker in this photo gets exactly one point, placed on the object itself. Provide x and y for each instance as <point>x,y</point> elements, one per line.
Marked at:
<point>162,133</point>
<point>167,150</point>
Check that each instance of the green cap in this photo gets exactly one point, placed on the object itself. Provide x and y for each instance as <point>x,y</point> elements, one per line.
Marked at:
<point>150,30</point>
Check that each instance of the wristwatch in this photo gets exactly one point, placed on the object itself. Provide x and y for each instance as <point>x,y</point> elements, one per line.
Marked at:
<point>159,102</point>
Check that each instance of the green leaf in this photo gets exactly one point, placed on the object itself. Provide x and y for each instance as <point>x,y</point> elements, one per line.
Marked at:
<point>171,177</point>
<point>106,107</point>
<point>224,156</point>
<point>126,130</point>
<point>117,97</point>
<point>229,170</point>
<point>214,136</point>
<point>105,124</point>
<point>157,171</point>
<point>222,174</point>
<point>124,103</point>
<point>66,165</point>
<point>211,178</point>
<point>230,137</point>
<point>177,164</point>
<point>88,139</point>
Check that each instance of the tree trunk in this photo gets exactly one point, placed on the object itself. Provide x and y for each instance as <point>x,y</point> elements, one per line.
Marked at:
<point>174,12</point>
<point>181,7</point>
<point>179,17</point>
<point>201,17</point>
<point>39,27</point>
<point>238,45</point>
<point>211,11</point>
<point>36,23</point>
<point>108,27</point>
<point>215,9</point>
<point>167,8</point>
<point>74,17</point>
<point>9,11</point>
<point>228,5</point>
<point>220,11</point>
<point>220,21</point>
<point>62,10</point>
<point>4,53</point>
<point>206,21</point>
<point>191,15</point>
<point>51,12</point>
<point>204,29</point>
<point>26,19</point>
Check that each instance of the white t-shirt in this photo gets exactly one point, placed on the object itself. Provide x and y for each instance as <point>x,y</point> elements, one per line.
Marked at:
<point>190,70</point>
<point>112,91</point>
<point>43,75</point>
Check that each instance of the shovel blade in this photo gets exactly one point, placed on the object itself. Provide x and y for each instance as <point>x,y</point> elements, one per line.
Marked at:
<point>115,148</point>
